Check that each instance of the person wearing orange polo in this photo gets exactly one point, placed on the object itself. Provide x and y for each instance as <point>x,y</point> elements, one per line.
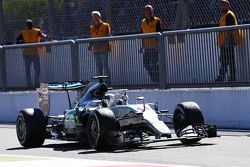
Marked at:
<point>100,49</point>
<point>226,42</point>
<point>30,55</point>
<point>151,24</point>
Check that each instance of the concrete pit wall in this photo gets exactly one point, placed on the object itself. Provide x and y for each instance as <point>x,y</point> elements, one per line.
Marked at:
<point>225,107</point>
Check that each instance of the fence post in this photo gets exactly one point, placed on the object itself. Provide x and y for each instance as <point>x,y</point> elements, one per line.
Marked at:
<point>51,9</point>
<point>1,23</point>
<point>162,63</point>
<point>75,61</point>
<point>108,10</point>
<point>182,20</point>
<point>2,68</point>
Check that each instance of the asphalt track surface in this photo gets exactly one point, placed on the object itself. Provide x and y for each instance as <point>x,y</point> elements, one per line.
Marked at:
<point>232,149</point>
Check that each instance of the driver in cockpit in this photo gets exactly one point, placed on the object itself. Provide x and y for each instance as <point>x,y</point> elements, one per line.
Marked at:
<point>99,93</point>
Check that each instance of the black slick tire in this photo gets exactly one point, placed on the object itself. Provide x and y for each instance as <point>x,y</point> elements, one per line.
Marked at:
<point>185,114</point>
<point>31,127</point>
<point>100,122</point>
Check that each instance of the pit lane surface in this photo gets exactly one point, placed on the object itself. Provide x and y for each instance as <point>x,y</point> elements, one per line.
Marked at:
<point>231,149</point>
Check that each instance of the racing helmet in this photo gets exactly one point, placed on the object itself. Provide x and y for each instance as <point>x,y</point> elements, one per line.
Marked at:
<point>103,88</point>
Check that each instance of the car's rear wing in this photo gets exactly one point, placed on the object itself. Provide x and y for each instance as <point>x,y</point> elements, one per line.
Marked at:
<point>72,85</point>
<point>44,97</point>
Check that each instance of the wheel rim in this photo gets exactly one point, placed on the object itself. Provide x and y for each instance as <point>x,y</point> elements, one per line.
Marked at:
<point>93,128</point>
<point>21,129</point>
<point>94,131</point>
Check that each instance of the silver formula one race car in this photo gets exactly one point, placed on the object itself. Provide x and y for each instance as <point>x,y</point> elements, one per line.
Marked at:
<point>103,117</point>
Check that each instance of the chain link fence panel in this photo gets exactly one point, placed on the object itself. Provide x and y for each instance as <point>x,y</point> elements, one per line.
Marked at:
<point>72,18</point>
<point>54,64</point>
<point>15,12</point>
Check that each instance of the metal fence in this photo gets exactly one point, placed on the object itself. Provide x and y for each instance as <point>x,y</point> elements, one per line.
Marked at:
<point>55,62</point>
<point>193,57</point>
<point>187,58</point>
<point>70,19</point>
<point>71,60</point>
<point>125,60</point>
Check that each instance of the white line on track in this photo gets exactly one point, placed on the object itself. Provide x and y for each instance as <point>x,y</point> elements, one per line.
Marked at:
<point>33,161</point>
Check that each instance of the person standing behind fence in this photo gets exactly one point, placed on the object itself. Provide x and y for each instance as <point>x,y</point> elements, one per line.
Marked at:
<point>151,24</point>
<point>226,42</point>
<point>30,55</point>
<point>100,49</point>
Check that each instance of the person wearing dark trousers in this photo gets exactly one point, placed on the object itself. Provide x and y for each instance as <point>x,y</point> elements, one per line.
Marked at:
<point>100,49</point>
<point>226,42</point>
<point>151,24</point>
<point>30,55</point>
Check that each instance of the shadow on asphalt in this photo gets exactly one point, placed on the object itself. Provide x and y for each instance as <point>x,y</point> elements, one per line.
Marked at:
<point>18,148</point>
<point>63,147</point>
<point>85,149</point>
<point>137,148</point>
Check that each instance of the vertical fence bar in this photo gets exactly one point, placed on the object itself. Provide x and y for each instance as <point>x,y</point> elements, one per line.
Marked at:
<point>162,62</point>
<point>1,23</point>
<point>108,10</point>
<point>75,61</point>
<point>51,9</point>
<point>2,68</point>
<point>2,56</point>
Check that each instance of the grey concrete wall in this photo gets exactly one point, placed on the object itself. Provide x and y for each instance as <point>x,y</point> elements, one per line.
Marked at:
<point>225,107</point>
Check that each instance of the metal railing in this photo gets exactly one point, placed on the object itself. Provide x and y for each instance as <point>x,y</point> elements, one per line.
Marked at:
<point>2,68</point>
<point>125,60</point>
<point>55,63</point>
<point>186,58</point>
<point>193,58</point>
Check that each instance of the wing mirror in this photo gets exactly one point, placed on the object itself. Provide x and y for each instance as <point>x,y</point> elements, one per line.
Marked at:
<point>125,98</point>
<point>141,100</point>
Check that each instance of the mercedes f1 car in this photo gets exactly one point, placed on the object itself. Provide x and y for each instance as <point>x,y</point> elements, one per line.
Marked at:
<point>103,117</point>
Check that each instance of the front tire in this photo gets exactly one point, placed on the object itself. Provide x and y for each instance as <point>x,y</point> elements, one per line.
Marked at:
<point>31,127</point>
<point>100,123</point>
<point>186,114</point>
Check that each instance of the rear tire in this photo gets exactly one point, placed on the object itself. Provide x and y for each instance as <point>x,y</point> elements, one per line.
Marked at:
<point>185,114</point>
<point>100,122</point>
<point>31,127</point>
